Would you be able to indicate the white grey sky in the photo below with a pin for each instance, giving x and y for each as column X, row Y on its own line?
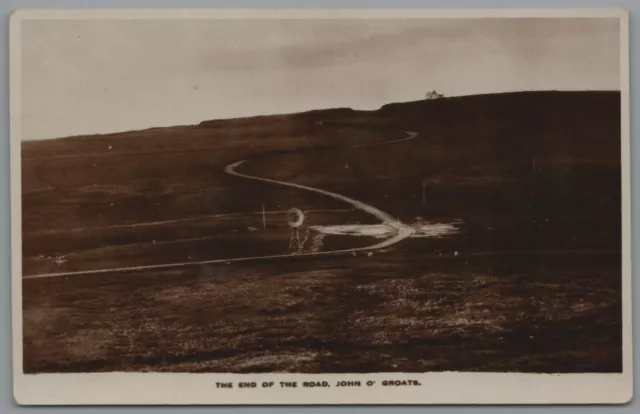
column 100, row 76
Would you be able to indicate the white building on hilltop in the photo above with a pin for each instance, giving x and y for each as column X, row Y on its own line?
column 433, row 95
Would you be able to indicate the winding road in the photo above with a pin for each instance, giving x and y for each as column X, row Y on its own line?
column 402, row 231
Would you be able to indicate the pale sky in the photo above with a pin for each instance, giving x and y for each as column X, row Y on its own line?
column 101, row 76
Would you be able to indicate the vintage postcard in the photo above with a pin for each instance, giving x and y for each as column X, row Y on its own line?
column 355, row 206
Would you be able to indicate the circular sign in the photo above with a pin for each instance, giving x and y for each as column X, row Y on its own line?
column 295, row 217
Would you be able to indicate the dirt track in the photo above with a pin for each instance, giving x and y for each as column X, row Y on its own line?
column 403, row 231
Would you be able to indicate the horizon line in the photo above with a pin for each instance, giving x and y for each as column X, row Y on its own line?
column 260, row 115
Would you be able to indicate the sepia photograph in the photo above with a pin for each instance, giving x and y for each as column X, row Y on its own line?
column 333, row 202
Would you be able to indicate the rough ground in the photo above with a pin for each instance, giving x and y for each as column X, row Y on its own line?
column 531, row 179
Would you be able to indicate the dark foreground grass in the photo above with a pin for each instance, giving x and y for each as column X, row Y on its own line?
column 350, row 315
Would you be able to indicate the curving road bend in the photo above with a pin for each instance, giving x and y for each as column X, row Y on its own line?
column 402, row 231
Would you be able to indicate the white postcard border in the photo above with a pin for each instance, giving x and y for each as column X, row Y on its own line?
column 436, row 388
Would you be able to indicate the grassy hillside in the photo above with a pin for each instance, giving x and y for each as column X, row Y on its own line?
column 531, row 179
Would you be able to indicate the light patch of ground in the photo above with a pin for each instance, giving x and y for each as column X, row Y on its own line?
column 282, row 360
column 405, row 311
column 89, row 344
column 42, row 319
column 434, row 229
column 379, row 231
column 383, row 231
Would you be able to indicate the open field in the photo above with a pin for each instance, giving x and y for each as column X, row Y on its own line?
column 529, row 281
